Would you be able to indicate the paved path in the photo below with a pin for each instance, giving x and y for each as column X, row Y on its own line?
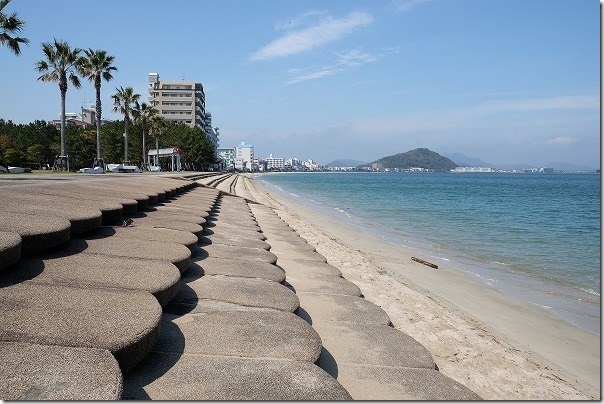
column 170, row 287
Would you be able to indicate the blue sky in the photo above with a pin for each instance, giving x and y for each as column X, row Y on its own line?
column 511, row 81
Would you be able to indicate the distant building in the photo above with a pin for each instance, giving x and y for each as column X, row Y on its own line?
column 244, row 157
column 274, row 163
column 211, row 133
column 310, row 165
column 473, row 170
column 85, row 120
column 227, row 155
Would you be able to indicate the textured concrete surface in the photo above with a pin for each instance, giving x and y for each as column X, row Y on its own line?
column 38, row 232
column 65, row 198
column 160, row 278
column 234, row 239
column 173, row 376
column 243, row 334
column 241, row 253
column 116, row 246
column 124, row 322
column 142, row 232
column 42, row 372
column 232, row 267
column 242, row 291
column 10, row 248
column 82, row 219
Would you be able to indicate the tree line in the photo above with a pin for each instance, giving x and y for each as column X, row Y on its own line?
column 36, row 144
column 40, row 143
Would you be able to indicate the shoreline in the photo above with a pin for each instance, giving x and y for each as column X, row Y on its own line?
column 498, row 346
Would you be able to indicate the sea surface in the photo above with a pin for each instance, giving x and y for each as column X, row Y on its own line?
column 532, row 236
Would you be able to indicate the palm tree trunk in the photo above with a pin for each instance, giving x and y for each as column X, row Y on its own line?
column 126, row 141
column 99, row 147
column 63, row 133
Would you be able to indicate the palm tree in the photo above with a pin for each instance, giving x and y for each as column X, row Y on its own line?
column 10, row 25
column 61, row 64
column 123, row 102
column 143, row 112
column 97, row 65
column 157, row 125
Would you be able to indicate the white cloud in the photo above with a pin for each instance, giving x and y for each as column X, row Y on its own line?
column 328, row 30
column 406, row 5
column 560, row 140
column 326, row 71
column 345, row 59
column 354, row 58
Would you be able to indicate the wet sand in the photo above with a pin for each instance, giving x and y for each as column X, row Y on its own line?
column 500, row 347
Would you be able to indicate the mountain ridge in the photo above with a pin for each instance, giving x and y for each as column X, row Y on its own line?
column 416, row 158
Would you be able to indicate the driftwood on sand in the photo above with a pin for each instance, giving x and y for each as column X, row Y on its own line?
column 421, row 261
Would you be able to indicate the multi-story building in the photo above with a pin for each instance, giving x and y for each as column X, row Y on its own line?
column 178, row 101
column 274, row 163
column 227, row 157
column 211, row 133
column 244, row 157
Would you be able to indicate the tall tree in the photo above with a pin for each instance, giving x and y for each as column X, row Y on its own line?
column 123, row 102
column 97, row 65
column 142, row 113
column 60, row 65
column 9, row 26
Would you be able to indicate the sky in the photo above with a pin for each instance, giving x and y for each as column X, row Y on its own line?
column 509, row 81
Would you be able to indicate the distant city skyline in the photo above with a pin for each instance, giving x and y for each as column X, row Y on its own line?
column 507, row 82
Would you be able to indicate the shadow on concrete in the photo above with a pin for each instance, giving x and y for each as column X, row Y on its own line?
column 303, row 314
column 328, row 363
column 155, row 365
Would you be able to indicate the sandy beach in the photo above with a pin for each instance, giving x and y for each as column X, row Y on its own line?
column 500, row 347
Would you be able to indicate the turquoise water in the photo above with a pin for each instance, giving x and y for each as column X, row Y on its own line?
column 532, row 236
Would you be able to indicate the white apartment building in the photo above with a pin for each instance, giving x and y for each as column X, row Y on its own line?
column 274, row 163
column 244, row 157
column 178, row 101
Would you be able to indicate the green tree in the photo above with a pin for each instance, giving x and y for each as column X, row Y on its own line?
column 197, row 150
column 60, row 65
column 83, row 145
column 123, row 102
column 37, row 154
column 142, row 113
column 11, row 25
column 14, row 157
column 97, row 65
column 113, row 141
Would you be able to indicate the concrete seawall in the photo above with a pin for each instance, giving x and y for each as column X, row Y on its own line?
column 182, row 287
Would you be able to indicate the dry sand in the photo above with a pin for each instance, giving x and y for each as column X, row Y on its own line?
column 500, row 347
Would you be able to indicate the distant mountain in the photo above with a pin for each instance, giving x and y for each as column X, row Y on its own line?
column 346, row 163
column 465, row 161
column 420, row 158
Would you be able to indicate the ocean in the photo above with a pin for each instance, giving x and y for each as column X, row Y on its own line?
column 535, row 237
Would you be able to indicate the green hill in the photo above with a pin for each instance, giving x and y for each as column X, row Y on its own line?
column 417, row 158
